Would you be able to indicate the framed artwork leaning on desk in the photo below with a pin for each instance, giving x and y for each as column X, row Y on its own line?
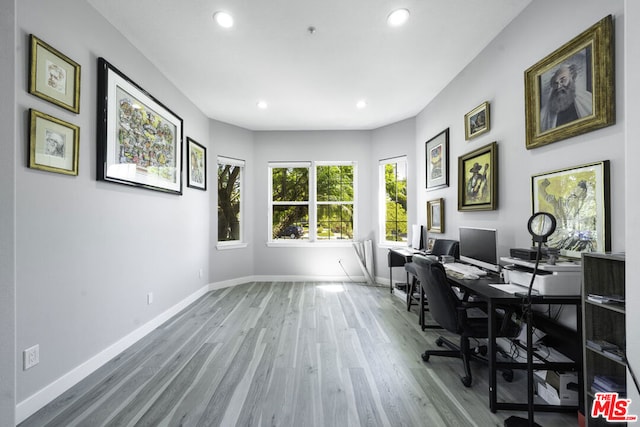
column 579, row 199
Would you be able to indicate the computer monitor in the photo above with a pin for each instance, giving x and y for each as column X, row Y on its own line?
column 479, row 246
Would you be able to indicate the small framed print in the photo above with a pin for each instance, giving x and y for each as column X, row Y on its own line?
column 435, row 216
column 53, row 144
column 477, row 121
column 437, row 153
column 430, row 242
column 53, row 76
column 197, row 165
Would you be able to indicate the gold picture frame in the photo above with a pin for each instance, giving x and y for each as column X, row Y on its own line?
column 53, row 144
column 477, row 121
column 579, row 198
column 571, row 91
column 435, row 216
column 53, row 76
column 478, row 179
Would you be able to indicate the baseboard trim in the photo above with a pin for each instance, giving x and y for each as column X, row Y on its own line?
column 38, row 400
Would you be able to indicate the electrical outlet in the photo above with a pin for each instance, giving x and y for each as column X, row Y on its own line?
column 150, row 298
column 31, row 357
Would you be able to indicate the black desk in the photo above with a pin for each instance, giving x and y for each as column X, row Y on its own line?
column 398, row 257
column 495, row 298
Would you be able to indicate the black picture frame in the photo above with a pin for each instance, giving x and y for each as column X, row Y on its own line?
column 196, row 165
column 139, row 138
column 437, row 161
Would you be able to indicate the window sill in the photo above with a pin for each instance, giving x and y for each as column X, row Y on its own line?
column 390, row 245
column 234, row 245
column 308, row 244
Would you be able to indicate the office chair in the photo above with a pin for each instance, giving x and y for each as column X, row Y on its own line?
column 440, row 247
column 450, row 312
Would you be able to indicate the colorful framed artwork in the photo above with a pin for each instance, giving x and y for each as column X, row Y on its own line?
column 139, row 139
column 53, row 76
column 197, row 165
column 478, row 179
column 571, row 91
column 477, row 121
column 437, row 153
column 53, row 144
column 435, row 215
column 579, row 199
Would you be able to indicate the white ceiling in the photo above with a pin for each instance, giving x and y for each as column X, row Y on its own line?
column 310, row 81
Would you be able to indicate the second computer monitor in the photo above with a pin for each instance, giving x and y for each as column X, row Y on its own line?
column 479, row 247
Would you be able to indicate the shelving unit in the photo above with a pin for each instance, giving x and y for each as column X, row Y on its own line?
column 603, row 275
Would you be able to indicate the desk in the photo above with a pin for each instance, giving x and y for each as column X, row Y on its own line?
column 495, row 298
column 398, row 257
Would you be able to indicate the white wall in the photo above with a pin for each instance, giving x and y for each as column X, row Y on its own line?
column 632, row 85
column 386, row 142
column 235, row 263
column 88, row 252
column 7, row 213
column 497, row 76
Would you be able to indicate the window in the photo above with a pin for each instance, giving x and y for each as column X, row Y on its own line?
column 230, row 175
column 393, row 200
column 312, row 201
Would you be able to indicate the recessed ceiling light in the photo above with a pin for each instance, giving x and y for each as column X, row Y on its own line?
column 398, row 17
column 262, row 105
column 361, row 104
column 224, row 19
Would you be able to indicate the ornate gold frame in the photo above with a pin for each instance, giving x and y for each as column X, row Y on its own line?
column 593, row 49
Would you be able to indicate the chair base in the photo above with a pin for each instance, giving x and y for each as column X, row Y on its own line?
column 465, row 353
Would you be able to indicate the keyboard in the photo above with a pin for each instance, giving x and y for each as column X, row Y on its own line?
column 464, row 270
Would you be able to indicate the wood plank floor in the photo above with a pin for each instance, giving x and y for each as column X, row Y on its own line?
column 286, row 354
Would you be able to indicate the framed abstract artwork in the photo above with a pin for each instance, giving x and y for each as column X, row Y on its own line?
column 53, row 76
column 578, row 197
column 437, row 162
column 197, row 165
column 53, row 144
column 477, row 121
column 435, row 215
column 478, row 179
column 571, row 91
column 139, row 139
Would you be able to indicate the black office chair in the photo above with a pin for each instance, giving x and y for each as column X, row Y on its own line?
column 414, row 293
column 450, row 312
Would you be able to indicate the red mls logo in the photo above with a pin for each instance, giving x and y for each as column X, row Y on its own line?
column 610, row 407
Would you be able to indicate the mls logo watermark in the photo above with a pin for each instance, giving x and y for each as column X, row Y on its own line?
column 611, row 408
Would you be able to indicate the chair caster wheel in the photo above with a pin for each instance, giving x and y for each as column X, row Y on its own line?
column 439, row 342
column 482, row 350
column 466, row 381
column 507, row 375
column 425, row 357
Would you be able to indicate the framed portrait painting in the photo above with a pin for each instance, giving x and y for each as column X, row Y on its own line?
column 197, row 165
column 578, row 197
column 437, row 162
column 53, row 144
column 435, row 216
column 477, row 121
column 139, row 139
column 478, row 179
column 53, row 76
column 571, row 91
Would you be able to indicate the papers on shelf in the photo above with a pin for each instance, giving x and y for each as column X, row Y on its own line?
column 512, row 289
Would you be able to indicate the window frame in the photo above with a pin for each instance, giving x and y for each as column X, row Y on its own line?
column 382, row 201
column 230, row 161
column 312, row 203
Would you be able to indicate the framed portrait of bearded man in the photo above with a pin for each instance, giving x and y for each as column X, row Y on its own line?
column 571, row 91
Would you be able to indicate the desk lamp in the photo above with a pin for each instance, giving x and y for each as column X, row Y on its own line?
column 541, row 225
